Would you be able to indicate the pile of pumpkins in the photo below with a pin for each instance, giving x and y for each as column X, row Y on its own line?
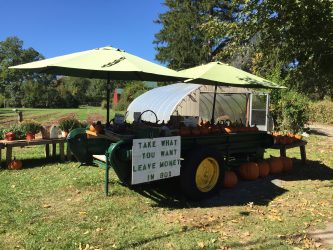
column 254, row 170
column 285, row 139
column 206, row 128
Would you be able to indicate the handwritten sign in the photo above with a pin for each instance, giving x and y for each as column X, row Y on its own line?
column 155, row 158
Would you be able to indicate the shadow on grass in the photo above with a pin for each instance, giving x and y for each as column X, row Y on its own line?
column 314, row 131
column 167, row 193
column 37, row 162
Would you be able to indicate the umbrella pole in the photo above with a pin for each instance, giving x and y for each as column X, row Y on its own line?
column 212, row 121
column 108, row 90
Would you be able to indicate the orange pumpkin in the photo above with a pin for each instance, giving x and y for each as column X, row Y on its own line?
column 195, row 131
column 298, row 137
column 263, row 168
column 287, row 164
column 204, row 130
column 15, row 164
column 275, row 165
column 249, row 171
column 184, row 131
column 230, row 179
column 92, row 128
column 228, row 130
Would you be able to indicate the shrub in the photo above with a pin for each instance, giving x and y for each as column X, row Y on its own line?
column 30, row 126
column 290, row 110
column 322, row 112
column 69, row 124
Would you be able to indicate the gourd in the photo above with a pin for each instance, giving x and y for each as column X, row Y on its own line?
column 249, row 170
column 15, row 164
column 275, row 165
column 263, row 168
column 230, row 179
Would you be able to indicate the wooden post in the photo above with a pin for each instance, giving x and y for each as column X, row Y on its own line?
column 303, row 153
column 283, row 151
column 47, row 150
column 8, row 155
column 54, row 149
column 68, row 154
column 62, row 151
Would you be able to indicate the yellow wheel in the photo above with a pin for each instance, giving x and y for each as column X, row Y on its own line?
column 207, row 174
column 201, row 173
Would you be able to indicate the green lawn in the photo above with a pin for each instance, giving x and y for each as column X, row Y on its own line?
column 44, row 115
column 50, row 205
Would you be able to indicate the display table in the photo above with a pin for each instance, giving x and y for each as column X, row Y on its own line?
column 9, row 145
column 283, row 148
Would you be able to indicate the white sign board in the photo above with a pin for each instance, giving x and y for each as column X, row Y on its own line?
column 155, row 158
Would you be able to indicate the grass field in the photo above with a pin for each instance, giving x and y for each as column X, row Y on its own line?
column 50, row 205
column 7, row 116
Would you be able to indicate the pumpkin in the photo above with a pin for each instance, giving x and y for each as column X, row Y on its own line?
column 184, row 131
column 230, row 179
column 263, row 168
column 15, row 164
column 287, row 164
column 195, row 131
column 275, row 165
column 249, row 171
column 204, row 130
column 228, row 130
column 92, row 128
column 298, row 137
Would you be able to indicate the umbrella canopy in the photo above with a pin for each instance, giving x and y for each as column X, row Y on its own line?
column 103, row 63
column 223, row 74
column 217, row 73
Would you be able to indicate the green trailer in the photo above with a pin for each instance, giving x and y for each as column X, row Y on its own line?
column 149, row 155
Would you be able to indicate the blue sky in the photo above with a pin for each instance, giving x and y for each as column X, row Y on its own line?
column 60, row 27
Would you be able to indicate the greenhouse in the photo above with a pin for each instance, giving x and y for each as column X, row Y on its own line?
column 195, row 100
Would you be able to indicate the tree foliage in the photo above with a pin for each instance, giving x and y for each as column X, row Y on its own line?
column 181, row 43
column 288, row 40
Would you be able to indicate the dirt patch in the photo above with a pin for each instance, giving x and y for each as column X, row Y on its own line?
column 56, row 121
column 93, row 117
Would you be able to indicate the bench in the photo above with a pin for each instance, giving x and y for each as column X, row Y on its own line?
column 9, row 145
column 283, row 148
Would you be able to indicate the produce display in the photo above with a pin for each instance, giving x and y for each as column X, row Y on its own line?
column 284, row 139
column 211, row 155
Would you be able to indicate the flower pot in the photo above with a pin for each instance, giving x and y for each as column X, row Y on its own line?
column 64, row 134
column 30, row 136
column 10, row 136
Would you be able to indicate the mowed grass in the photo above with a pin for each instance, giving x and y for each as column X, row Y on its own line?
column 50, row 205
column 8, row 116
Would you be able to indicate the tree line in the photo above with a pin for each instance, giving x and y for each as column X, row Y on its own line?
column 287, row 41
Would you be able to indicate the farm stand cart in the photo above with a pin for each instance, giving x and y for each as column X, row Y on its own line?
column 200, row 160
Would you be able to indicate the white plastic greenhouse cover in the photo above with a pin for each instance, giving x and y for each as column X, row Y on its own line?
column 162, row 101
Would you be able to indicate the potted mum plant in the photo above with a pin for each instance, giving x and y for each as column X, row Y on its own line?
column 13, row 132
column 30, row 128
column 68, row 124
